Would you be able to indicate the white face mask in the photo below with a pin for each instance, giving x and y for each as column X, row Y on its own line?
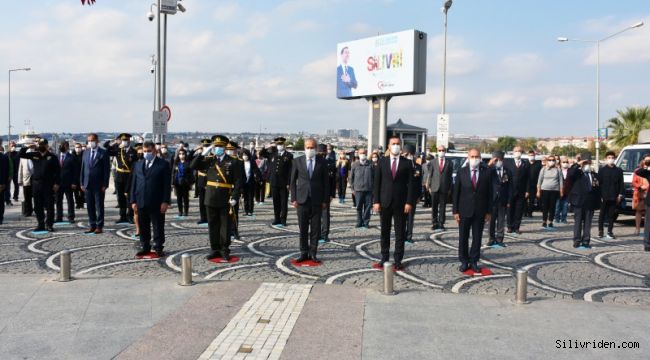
column 310, row 153
column 531, row 158
column 181, row 156
column 473, row 163
column 517, row 155
column 229, row 152
column 245, row 157
column 565, row 165
column 280, row 148
column 499, row 164
column 395, row 149
column 163, row 151
column 441, row 154
column 125, row 143
column 92, row 144
column 586, row 168
column 77, row 150
column 550, row 163
column 610, row 161
column 410, row 157
column 363, row 157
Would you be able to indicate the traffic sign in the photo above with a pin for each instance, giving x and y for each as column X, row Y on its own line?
column 603, row 134
column 442, row 130
column 160, row 119
column 168, row 112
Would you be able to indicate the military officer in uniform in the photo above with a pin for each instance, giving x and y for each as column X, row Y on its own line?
column 125, row 156
column 45, row 182
column 223, row 183
column 232, row 150
column 279, row 177
column 201, row 181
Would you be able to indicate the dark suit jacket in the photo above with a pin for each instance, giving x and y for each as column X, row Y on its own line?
column 256, row 174
column 394, row 192
column 469, row 202
column 151, row 187
column 582, row 194
column 279, row 167
column 520, row 177
column 501, row 186
column 535, row 169
column 95, row 174
column 69, row 171
column 303, row 188
column 4, row 170
column 440, row 181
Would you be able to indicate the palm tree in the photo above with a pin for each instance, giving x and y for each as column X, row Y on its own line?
column 627, row 125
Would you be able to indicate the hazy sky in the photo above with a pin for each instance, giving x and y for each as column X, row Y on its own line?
column 238, row 65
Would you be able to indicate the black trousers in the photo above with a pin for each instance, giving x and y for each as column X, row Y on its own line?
column 342, row 185
column 203, row 215
column 79, row 197
column 28, row 201
column 234, row 220
column 69, row 196
column 547, row 202
column 280, row 200
column 516, row 212
column 121, row 183
column 438, row 209
column 532, row 202
column 309, row 224
column 475, row 224
column 15, row 181
column 249, row 197
column 260, row 192
column 607, row 214
column 410, row 219
column 218, row 229
column 150, row 217
column 646, row 231
column 325, row 223
column 389, row 216
column 43, row 201
column 426, row 197
column 182, row 198
column 582, row 226
column 2, row 206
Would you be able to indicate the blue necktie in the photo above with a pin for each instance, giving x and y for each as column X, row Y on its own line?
column 310, row 168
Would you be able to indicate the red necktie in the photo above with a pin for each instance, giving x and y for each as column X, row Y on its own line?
column 441, row 164
column 474, row 179
column 393, row 168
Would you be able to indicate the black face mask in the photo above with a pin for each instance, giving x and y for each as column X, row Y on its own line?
column 42, row 148
column 63, row 149
column 647, row 163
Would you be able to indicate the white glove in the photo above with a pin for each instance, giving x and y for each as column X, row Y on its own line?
column 207, row 150
column 233, row 202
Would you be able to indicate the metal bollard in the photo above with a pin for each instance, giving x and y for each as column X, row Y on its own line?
column 186, row 270
column 388, row 278
column 522, row 287
column 64, row 269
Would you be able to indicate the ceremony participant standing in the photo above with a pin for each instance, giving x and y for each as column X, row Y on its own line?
column 472, row 206
column 640, row 186
column 4, row 180
column 95, row 174
column 409, row 153
column 562, row 205
column 45, row 183
column 342, row 172
column 585, row 198
column 150, row 195
column 252, row 179
column 361, row 183
column 644, row 172
column 69, row 182
column 224, row 178
column 279, row 177
column 232, row 150
column 125, row 157
column 501, row 183
column 393, row 197
column 439, row 185
column 550, row 187
column 183, row 179
column 331, row 176
column 520, row 190
column 201, row 180
column 263, row 166
column 25, row 171
column 535, row 168
column 79, row 197
column 14, row 158
column 612, row 191
column 309, row 195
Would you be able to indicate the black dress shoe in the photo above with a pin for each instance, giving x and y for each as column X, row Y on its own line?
column 227, row 257
column 143, row 252
column 646, row 249
column 576, row 244
column 475, row 267
column 90, row 231
column 491, row 242
column 463, row 267
column 302, row 258
column 50, row 228
column 442, row 228
column 39, row 228
column 399, row 267
column 213, row 255
column 58, row 220
column 160, row 253
column 314, row 259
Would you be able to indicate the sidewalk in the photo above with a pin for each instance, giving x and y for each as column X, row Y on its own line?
column 105, row 318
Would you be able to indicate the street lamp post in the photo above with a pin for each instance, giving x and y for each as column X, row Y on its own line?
column 445, row 10
column 597, row 42
column 9, row 100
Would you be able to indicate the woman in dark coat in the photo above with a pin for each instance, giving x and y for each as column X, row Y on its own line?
column 183, row 178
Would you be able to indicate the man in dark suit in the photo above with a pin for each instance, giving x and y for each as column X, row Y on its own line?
column 345, row 78
column 331, row 175
column 472, row 206
column 79, row 196
column 520, row 171
column 95, row 174
column 69, row 182
column 439, row 184
column 393, row 196
column 535, row 167
column 150, row 195
column 585, row 198
column 279, row 178
column 14, row 158
column 310, row 195
column 612, row 193
column 501, row 182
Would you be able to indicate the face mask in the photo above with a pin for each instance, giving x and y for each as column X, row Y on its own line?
column 363, row 157
column 499, row 164
column 441, row 154
column 163, row 151
column 149, row 156
column 229, row 152
column 245, row 157
column 77, row 150
column 531, row 158
column 647, row 163
column 125, row 143
column 473, row 163
column 157, row 147
column 218, row 151
column 13, row 148
column 517, row 155
column 565, row 165
column 181, row 156
column 280, row 148
column 63, row 149
column 610, row 161
column 410, row 157
column 92, row 144
column 586, row 168
column 550, row 163
column 395, row 149
column 310, row 153
column 374, row 159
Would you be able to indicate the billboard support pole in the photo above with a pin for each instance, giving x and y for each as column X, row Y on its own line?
column 383, row 111
column 371, row 138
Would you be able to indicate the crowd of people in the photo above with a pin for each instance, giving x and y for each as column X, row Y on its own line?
column 227, row 177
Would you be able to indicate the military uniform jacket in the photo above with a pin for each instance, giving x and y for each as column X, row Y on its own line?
column 279, row 167
column 125, row 158
column 201, row 178
column 223, row 180
column 46, row 171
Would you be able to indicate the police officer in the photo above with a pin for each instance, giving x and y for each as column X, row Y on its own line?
column 45, row 182
column 279, row 177
column 232, row 150
column 125, row 157
column 223, row 184
column 201, row 181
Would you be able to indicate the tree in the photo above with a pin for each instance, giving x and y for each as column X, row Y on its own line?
column 527, row 144
column 300, row 144
column 506, row 143
column 627, row 125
